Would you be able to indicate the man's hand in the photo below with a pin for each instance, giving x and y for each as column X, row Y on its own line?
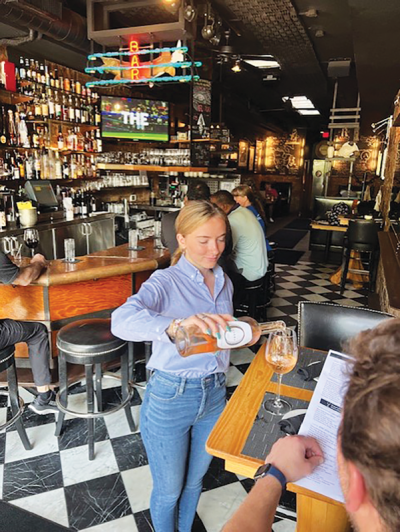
column 295, row 456
column 40, row 259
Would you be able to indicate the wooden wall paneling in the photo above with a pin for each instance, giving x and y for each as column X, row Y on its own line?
column 22, row 302
column 67, row 301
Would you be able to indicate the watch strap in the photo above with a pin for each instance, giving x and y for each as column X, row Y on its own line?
column 269, row 469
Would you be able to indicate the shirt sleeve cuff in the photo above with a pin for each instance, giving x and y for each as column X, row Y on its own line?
column 163, row 322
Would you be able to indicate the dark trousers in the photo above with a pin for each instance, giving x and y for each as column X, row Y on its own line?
column 36, row 336
column 239, row 293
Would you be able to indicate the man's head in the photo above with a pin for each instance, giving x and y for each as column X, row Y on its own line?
column 224, row 200
column 198, row 191
column 369, row 442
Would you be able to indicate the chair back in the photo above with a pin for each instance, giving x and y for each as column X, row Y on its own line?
column 327, row 326
column 363, row 232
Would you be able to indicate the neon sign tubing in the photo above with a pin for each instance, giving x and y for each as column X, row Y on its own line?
column 101, row 69
column 183, row 49
column 104, row 82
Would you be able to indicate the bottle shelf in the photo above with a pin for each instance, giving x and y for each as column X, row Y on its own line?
column 61, row 152
column 151, row 168
column 12, row 98
column 27, row 82
column 60, row 122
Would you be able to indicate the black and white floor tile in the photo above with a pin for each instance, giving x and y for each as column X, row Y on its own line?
column 57, row 481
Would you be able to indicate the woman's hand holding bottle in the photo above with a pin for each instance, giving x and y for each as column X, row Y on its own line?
column 209, row 324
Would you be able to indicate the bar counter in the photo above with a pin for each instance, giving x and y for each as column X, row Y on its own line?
column 90, row 288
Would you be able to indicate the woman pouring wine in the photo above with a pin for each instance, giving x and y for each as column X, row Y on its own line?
column 184, row 396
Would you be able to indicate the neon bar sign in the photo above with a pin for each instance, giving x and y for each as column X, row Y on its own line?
column 136, row 71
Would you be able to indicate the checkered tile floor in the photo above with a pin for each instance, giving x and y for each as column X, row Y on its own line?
column 57, row 481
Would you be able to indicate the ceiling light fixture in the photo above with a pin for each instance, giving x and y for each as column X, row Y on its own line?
column 263, row 63
column 172, row 5
column 310, row 13
column 189, row 12
column 208, row 31
column 308, row 112
column 236, row 67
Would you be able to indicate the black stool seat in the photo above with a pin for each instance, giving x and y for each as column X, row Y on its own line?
column 83, row 338
column 90, row 343
column 7, row 362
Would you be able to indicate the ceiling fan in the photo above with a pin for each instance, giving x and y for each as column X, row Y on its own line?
column 227, row 54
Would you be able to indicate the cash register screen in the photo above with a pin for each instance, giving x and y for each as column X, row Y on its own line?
column 42, row 192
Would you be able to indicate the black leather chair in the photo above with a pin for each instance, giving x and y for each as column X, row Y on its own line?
column 327, row 326
column 7, row 363
column 255, row 299
column 90, row 343
column 362, row 236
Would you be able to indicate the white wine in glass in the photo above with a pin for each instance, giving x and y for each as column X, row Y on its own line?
column 281, row 354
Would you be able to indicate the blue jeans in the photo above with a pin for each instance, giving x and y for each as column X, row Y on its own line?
column 177, row 417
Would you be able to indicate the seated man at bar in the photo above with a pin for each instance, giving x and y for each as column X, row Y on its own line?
column 249, row 251
column 35, row 335
column 196, row 191
column 368, row 444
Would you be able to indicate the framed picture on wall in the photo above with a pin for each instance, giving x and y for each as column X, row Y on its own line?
column 243, row 154
column 252, row 153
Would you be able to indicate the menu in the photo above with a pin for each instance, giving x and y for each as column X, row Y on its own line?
column 322, row 422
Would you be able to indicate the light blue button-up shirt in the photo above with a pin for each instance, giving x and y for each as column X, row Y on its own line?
column 176, row 292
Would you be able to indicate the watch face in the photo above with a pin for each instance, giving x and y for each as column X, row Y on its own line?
column 262, row 470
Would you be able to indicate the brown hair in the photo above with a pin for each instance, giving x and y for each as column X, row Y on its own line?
column 370, row 431
column 246, row 192
column 192, row 216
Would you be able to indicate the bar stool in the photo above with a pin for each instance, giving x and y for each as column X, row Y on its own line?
column 7, row 362
column 90, row 343
column 256, row 300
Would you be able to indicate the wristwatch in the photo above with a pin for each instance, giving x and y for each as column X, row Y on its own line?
column 269, row 469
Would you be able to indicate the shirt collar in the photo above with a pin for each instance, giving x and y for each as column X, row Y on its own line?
column 237, row 206
column 194, row 273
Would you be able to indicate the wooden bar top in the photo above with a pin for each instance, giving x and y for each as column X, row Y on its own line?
column 114, row 261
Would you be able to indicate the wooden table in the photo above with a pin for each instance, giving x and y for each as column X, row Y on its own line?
column 329, row 230
column 315, row 513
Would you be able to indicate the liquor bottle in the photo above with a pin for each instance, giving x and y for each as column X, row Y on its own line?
column 3, row 220
column 56, row 79
column 45, row 107
column 13, row 139
column 80, row 143
column 32, row 70
column 65, row 109
column 29, row 166
column 21, row 165
column 58, row 174
column 60, row 139
column 58, row 106
column 243, row 332
column 52, row 105
column 78, row 87
column 78, row 111
column 22, row 71
column 28, row 69
column 71, row 109
column 67, row 84
column 4, row 132
column 84, row 205
column 14, row 168
column 47, row 75
column 65, row 169
column 36, row 165
column 42, row 74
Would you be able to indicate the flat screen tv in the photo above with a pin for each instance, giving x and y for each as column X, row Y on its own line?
column 134, row 119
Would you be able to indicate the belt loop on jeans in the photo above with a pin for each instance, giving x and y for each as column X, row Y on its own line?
column 182, row 385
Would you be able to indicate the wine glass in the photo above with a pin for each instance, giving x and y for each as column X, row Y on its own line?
column 31, row 239
column 281, row 354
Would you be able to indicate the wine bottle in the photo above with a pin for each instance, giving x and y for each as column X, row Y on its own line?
column 244, row 332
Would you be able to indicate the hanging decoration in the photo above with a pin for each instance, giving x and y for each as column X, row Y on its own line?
column 135, row 71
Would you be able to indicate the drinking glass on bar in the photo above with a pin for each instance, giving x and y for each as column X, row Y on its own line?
column 157, row 235
column 281, row 354
column 69, row 249
column 133, row 237
column 31, row 239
